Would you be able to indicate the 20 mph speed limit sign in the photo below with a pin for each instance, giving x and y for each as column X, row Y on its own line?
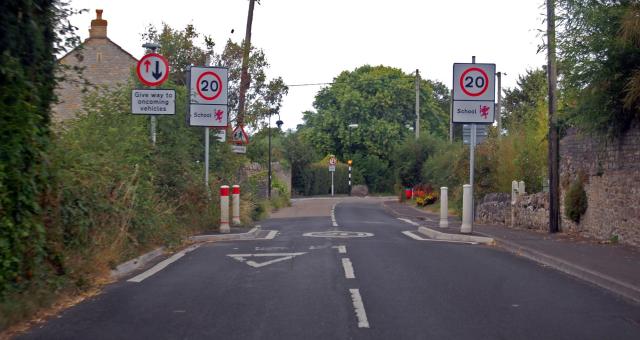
column 473, row 93
column 208, row 96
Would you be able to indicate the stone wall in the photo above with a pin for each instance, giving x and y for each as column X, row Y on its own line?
column 610, row 172
column 494, row 208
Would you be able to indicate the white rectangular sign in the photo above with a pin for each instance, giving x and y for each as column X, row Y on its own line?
column 479, row 112
column 220, row 135
column 239, row 148
column 153, row 102
column 208, row 85
column 208, row 115
column 332, row 168
column 474, row 82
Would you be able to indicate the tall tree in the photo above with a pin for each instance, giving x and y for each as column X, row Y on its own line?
column 599, row 54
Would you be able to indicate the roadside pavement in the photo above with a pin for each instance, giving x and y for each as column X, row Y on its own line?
column 614, row 267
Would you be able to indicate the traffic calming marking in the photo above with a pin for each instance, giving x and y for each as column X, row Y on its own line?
column 420, row 238
column 279, row 257
column 338, row 234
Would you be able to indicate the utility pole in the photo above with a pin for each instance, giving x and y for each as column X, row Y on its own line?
column 499, row 105
column 244, row 76
column 417, row 104
column 554, row 147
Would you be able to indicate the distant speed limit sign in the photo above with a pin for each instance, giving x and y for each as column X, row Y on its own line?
column 474, row 82
column 209, row 85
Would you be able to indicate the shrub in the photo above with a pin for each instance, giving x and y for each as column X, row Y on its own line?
column 575, row 201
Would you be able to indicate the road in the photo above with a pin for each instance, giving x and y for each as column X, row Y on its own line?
column 379, row 285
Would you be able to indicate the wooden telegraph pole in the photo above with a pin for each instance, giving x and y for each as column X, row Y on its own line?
column 244, row 76
column 554, row 147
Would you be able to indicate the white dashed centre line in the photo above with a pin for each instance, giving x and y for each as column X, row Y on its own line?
column 348, row 268
column 341, row 249
column 359, row 307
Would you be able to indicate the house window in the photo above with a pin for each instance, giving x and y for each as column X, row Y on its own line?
column 99, row 56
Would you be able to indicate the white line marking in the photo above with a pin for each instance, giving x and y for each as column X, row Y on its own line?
column 162, row 265
column 359, row 307
column 334, row 223
column 341, row 249
column 417, row 237
column 348, row 269
column 406, row 220
column 280, row 257
column 271, row 235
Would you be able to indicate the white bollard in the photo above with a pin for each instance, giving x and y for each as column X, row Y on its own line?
column 521, row 190
column 444, row 207
column 467, row 210
column 224, row 209
column 235, row 205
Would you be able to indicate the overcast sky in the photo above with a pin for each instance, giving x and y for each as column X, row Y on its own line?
column 312, row 41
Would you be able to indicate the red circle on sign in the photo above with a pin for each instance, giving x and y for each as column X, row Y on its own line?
column 217, row 93
column 165, row 69
column 484, row 88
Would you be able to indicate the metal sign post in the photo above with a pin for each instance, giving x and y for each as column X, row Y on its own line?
column 473, row 103
column 332, row 168
column 208, row 103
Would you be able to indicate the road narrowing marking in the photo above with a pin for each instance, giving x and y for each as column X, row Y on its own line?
column 341, row 249
column 361, row 314
column 419, row 238
column 348, row 268
column 406, row 220
column 279, row 258
column 162, row 265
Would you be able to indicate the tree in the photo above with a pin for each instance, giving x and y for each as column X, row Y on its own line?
column 381, row 100
column 32, row 33
column 599, row 54
column 523, row 103
column 182, row 49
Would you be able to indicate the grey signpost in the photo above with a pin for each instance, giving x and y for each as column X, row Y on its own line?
column 473, row 101
column 332, row 168
column 208, row 108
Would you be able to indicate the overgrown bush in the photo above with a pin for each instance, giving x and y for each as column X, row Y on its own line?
column 575, row 201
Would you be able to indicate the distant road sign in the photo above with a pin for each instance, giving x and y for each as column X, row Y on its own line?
column 220, row 134
column 333, row 161
column 239, row 136
column 473, row 93
column 153, row 69
column 482, row 132
column 153, row 102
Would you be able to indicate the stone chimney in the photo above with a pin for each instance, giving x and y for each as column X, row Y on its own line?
column 98, row 26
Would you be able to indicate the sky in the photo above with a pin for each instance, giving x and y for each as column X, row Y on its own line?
column 312, row 41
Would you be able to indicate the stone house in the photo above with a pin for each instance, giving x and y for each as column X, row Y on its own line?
column 104, row 63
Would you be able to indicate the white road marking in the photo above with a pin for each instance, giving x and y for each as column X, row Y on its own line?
column 406, row 220
column 279, row 258
column 348, row 268
column 320, row 247
column 359, row 307
column 417, row 237
column 268, row 248
column 271, row 235
column 341, row 249
column 334, row 223
column 162, row 265
column 338, row 234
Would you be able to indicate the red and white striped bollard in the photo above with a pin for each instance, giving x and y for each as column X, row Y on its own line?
column 235, row 205
column 224, row 209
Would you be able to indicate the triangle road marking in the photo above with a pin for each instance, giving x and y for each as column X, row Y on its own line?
column 279, row 257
